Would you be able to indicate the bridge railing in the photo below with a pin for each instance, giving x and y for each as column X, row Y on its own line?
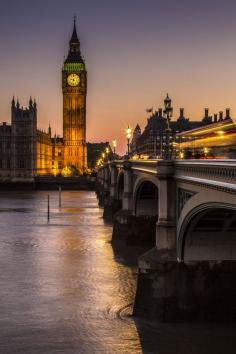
column 220, row 172
column 211, row 170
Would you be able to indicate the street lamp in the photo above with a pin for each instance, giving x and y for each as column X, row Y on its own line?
column 107, row 150
column 128, row 136
column 114, row 144
column 168, row 112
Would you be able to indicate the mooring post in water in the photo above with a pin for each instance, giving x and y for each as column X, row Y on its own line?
column 60, row 197
column 48, row 207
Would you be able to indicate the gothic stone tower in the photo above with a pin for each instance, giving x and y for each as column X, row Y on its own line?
column 74, row 87
column 24, row 139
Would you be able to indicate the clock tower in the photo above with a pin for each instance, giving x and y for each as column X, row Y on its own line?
column 74, row 88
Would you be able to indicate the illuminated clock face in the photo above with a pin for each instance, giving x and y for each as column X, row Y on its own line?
column 73, row 80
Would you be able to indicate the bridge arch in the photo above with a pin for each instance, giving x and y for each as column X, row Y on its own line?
column 146, row 198
column 208, row 232
column 145, row 212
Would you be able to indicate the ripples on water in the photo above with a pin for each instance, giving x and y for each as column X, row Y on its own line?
column 64, row 290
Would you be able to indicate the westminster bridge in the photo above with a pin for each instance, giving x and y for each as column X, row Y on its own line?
column 184, row 213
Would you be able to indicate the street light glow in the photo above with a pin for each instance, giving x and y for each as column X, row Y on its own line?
column 128, row 136
column 128, row 132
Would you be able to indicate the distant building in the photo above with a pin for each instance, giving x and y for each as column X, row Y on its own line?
column 152, row 140
column 25, row 151
column 136, row 135
column 95, row 151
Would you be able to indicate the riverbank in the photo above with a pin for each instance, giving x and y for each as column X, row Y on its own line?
column 82, row 183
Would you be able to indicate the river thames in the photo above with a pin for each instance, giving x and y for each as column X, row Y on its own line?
column 64, row 289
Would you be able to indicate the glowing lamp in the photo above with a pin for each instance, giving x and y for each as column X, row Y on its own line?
column 128, row 136
column 114, row 144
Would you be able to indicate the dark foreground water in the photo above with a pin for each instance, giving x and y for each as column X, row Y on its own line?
column 63, row 289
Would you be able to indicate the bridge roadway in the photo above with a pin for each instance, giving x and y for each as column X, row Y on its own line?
column 185, row 212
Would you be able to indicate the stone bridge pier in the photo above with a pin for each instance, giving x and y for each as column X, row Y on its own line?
column 184, row 214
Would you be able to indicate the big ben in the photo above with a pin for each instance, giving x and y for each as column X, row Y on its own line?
column 74, row 87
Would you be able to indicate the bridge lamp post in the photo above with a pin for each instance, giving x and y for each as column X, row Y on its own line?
column 114, row 144
column 107, row 151
column 128, row 137
column 168, row 112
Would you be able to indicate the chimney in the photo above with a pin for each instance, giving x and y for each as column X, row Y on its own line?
column 227, row 116
column 215, row 118
column 221, row 115
column 206, row 112
column 181, row 113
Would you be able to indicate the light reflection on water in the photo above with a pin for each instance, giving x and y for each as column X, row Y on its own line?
column 64, row 290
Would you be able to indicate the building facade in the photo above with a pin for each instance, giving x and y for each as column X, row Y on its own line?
column 161, row 131
column 26, row 151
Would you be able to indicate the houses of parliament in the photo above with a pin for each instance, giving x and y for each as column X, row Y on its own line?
column 26, row 151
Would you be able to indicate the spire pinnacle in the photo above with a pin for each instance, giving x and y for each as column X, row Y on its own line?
column 74, row 38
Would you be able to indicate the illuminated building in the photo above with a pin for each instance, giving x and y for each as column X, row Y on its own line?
column 74, row 87
column 26, row 151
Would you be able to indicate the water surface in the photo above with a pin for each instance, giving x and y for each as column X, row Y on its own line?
column 63, row 289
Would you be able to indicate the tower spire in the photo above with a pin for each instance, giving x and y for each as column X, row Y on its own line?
column 74, row 38
column 74, row 55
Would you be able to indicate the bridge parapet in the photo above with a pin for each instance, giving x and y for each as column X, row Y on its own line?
column 220, row 174
column 146, row 166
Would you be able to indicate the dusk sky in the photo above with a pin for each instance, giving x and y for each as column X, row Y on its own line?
column 135, row 50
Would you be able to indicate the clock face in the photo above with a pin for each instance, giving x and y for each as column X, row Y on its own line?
column 73, row 80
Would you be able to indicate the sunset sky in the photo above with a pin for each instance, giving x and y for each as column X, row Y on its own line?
column 135, row 50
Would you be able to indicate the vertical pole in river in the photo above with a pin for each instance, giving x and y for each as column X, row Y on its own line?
column 48, row 207
column 60, row 197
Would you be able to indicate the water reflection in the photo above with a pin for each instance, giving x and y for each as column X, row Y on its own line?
column 63, row 289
